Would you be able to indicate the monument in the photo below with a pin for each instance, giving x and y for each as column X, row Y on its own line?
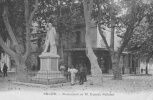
column 49, row 59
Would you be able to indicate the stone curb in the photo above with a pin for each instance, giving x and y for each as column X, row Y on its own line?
column 125, row 75
column 41, row 85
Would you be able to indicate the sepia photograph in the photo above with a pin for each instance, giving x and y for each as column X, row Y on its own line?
column 76, row 49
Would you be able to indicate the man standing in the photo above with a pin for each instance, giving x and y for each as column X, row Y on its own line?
column 86, row 72
column 69, row 74
column 77, row 74
column 82, row 74
column 5, row 70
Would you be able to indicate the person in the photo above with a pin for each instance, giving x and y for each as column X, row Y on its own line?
column 86, row 72
column 77, row 74
column 73, row 72
column 69, row 74
column 5, row 70
column 33, row 66
column 82, row 74
column 123, row 70
column 1, row 72
column 62, row 69
column 66, row 74
column 50, row 39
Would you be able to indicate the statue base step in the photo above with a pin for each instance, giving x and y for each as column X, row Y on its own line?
column 50, row 76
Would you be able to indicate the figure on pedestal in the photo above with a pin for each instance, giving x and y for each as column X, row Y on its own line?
column 49, row 59
column 50, row 39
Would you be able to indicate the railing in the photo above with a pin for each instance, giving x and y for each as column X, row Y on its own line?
column 43, row 77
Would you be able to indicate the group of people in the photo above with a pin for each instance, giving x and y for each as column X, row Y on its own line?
column 4, row 69
column 78, row 72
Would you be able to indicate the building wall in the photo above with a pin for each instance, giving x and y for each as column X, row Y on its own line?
column 97, row 42
column 107, row 33
column 150, row 66
column 143, row 67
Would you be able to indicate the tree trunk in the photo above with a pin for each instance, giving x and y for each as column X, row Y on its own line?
column 21, row 69
column 112, row 38
column 95, row 69
column 110, row 63
column 117, row 75
column 96, row 73
column 115, row 60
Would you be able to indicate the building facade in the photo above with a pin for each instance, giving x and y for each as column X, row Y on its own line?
column 75, row 51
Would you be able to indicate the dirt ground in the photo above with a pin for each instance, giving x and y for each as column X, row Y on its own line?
column 129, row 88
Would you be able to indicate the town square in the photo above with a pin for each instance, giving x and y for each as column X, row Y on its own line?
column 76, row 49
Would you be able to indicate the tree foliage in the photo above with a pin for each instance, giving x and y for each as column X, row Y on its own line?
column 141, row 42
column 65, row 15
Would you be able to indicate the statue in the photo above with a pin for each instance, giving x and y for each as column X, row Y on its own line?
column 50, row 39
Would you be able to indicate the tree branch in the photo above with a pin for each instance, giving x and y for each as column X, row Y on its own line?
column 28, row 45
column 26, row 10
column 8, row 26
column 99, row 27
column 103, row 37
column 128, row 34
column 91, row 6
column 129, row 31
column 32, row 14
column 7, row 49
column 85, row 11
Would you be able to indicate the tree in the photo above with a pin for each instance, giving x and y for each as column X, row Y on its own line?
column 134, row 14
column 141, row 41
column 64, row 15
column 16, row 53
column 88, row 7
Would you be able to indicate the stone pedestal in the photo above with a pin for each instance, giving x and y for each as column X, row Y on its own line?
column 49, row 62
column 49, row 68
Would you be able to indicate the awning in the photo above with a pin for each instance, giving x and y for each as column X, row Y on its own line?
column 83, row 49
